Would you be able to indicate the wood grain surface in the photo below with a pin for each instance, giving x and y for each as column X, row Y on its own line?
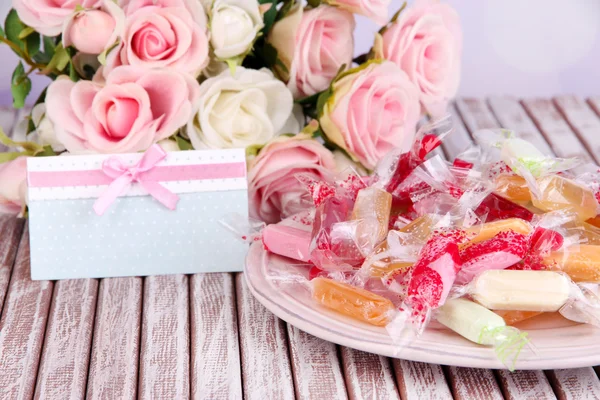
column 266, row 367
column 316, row 366
column 165, row 339
column 368, row 376
column 418, row 380
column 65, row 357
column 11, row 230
column 115, row 349
column 22, row 328
column 215, row 359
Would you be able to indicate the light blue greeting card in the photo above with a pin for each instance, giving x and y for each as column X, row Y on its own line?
column 135, row 214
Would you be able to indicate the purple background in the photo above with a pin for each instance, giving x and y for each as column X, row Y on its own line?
column 523, row 48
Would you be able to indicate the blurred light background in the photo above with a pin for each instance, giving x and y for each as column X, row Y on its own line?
column 523, row 48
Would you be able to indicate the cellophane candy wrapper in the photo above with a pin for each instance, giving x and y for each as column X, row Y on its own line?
column 477, row 244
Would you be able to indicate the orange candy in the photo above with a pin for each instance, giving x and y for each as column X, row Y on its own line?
column 513, row 317
column 354, row 302
column 559, row 193
column 513, row 187
column 489, row 230
column 581, row 263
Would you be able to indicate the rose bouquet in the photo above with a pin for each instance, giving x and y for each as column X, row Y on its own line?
column 275, row 77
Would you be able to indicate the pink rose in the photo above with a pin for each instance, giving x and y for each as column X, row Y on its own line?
column 313, row 45
column 377, row 10
column 274, row 191
column 373, row 109
column 13, row 186
column 133, row 109
column 426, row 42
column 93, row 31
column 159, row 36
column 48, row 17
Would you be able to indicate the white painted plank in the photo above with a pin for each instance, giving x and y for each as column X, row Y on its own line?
column 511, row 115
column 555, row 129
column 115, row 351
column 583, row 120
column 417, row 380
column 266, row 368
column 476, row 114
column 472, row 383
column 11, row 230
column 65, row 357
column 165, row 343
column 22, row 328
column 575, row 384
column 216, row 372
column 316, row 367
column 460, row 139
column 520, row 385
column 368, row 376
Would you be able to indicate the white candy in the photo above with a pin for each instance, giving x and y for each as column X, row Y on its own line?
column 544, row 291
column 469, row 320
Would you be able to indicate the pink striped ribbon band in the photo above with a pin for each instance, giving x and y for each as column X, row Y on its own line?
column 167, row 173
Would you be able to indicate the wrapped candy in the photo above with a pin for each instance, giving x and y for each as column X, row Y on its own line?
column 432, row 276
column 393, row 172
column 581, row 262
column 499, row 252
column 512, row 317
column 287, row 241
column 482, row 326
column 535, row 291
column 373, row 204
column 559, row 193
column 352, row 301
column 512, row 187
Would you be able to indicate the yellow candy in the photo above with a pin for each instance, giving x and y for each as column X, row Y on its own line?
column 513, row 187
column 581, row 263
column 352, row 301
column 559, row 193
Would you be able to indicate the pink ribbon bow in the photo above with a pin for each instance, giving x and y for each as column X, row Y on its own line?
column 124, row 176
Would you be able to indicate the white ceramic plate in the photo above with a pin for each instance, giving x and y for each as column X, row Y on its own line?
column 558, row 343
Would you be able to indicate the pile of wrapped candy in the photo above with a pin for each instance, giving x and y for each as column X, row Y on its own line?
column 501, row 234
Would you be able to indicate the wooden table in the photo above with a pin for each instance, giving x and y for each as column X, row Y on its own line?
column 206, row 337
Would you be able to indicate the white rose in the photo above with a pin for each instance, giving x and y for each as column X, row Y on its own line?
column 235, row 111
column 234, row 25
column 168, row 145
column 44, row 130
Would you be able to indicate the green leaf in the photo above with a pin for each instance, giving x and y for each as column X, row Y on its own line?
column 309, row 100
column 104, row 54
column 20, row 86
column 285, row 9
column 33, row 44
column 314, row 3
column 269, row 17
column 6, row 157
column 183, row 144
column 2, row 34
column 49, row 46
column 13, row 27
column 59, row 61
column 46, row 152
column 30, row 148
column 73, row 73
column 26, row 32
column 269, row 55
